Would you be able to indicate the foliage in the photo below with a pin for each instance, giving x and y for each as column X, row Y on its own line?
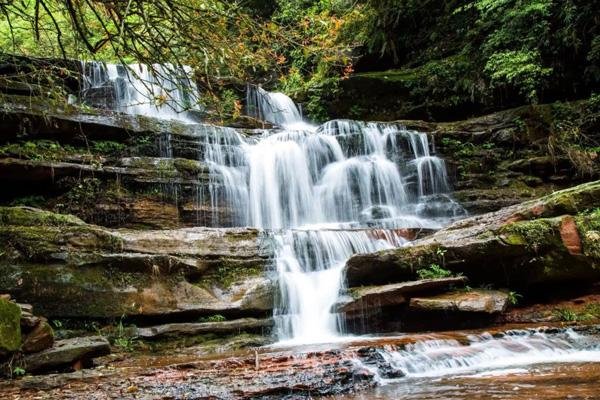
column 520, row 69
column 433, row 272
column 447, row 54
column 123, row 338
column 590, row 312
column 513, row 50
column 566, row 315
column 107, row 147
column 514, row 298
column 212, row 318
column 38, row 150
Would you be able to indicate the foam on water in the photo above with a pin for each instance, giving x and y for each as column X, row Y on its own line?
column 161, row 91
column 484, row 353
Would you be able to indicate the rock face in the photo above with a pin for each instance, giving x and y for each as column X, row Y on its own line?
column 474, row 301
column 67, row 352
column 10, row 327
column 518, row 246
column 110, row 169
column 67, row 268
column 199, row 328
column 366, row 298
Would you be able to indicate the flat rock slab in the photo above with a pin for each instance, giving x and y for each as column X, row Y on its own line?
column 199, row 328
column 477, row 301
column 67, row 352
column 365, row 298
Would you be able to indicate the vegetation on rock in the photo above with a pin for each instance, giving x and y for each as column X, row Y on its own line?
column 10, row 328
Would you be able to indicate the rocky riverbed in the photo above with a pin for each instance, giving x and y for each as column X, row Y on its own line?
column 426, row 364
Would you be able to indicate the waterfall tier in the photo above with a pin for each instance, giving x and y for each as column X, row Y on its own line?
column 162, row 91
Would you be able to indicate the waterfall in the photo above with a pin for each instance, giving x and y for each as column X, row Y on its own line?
column 484, row 352
column 324, row 193
column 320, row 193
column 162, row 91
column 274, row 107
column 309, row 266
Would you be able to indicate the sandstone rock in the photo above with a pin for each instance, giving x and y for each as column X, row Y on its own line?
column 199, row 328
column 365, row 298
column 67, row 268
column 67, row 352
column 570, row 236
column 10, row 327
column 516, row 246
column 40, row 338
column 478, row 301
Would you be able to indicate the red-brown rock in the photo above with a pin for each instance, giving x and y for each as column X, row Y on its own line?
column 570, row 235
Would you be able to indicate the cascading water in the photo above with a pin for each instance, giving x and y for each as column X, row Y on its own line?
column 321, row 193
column 324, row 193
column 484, row 352
column 162, row 91
column 273, row 107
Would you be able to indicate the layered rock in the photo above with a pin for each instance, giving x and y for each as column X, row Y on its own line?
column 109, row 168
column 68, row 352
column 473, row 301
column 198, row 328
column 67, row 268
column 367, row 298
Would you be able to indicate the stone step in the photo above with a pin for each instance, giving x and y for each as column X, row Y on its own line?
column 474, row 301
column 67, row 352
column 365, row 298
column 198, row 328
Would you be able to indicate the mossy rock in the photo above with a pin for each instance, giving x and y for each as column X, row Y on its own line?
column 10, row 327
column 29, row 216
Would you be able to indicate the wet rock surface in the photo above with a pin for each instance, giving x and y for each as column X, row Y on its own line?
column 473, row 301
column 277, row 373
column 364, row 298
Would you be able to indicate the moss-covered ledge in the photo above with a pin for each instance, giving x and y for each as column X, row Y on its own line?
column 548, row 240
column 67, row 268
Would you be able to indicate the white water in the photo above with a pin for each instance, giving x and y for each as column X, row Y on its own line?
column 162, row 91
column 484, row 353
column 325, row 193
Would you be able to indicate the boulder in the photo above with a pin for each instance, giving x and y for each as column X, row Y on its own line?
column 10, row 327
column 190, row 329
column 474, row 301
column 40, row 338
column 66, row 353
column 517, row 246
column 366, row 298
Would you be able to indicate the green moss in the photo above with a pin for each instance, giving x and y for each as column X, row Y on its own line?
column 588, row 225
column 187, row 166
column 10, row 326
column 25, row 216
column 230, row 271
column 37, row 150
column 534, row 234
